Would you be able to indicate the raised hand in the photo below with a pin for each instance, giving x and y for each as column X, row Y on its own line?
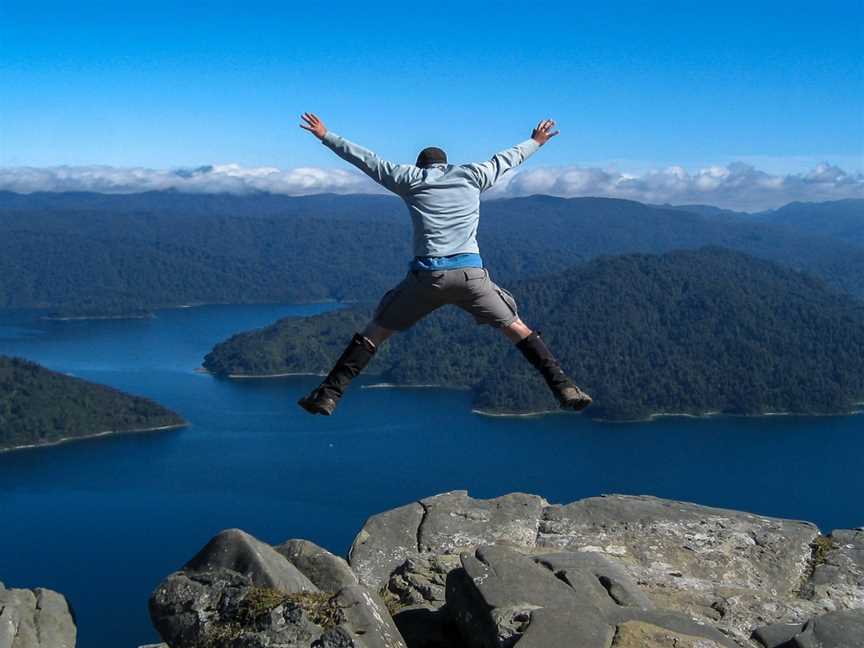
column 314, row 125
column 543, row 133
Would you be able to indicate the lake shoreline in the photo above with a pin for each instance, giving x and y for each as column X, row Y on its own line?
column 152, row 313
column 650, row 418
column 532, row 414
column 88, row 318
column 95, row 435
column 287, row 374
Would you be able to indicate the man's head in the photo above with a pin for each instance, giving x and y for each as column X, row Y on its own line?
column 430, row 156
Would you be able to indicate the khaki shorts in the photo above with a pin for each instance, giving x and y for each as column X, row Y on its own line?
column 422, row 291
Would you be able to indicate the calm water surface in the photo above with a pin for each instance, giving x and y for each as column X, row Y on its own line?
column 103, row 521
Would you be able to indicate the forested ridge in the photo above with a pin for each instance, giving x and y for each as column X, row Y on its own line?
column 39, row 406
column 684, row 332
column 96, row 254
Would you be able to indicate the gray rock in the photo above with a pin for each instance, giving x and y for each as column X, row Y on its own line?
column 384, row 542
column 838, row 580
column 777, row 634
column 637, row 634
column 671, row 621
column 327, row 572
column 188, row 606
column 728, row 568
column 37, row 618
column 662, row 538
column 502, row 597
column 612, row 571
column 594, row 576
column 242, row 553
column 731, row 569
column 240, row 593
column 443, row 524
column 833, row 630
column 367, row 621
column 421, row 580
column 454, row 522
column 424, row 627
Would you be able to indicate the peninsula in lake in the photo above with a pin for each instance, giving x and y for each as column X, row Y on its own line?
column 691, row 332
column 41, row 407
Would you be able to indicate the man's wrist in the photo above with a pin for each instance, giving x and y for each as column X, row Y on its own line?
column 532, row 144
column 329, row 137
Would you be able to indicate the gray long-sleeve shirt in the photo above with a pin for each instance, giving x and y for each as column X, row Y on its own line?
column 443, row 200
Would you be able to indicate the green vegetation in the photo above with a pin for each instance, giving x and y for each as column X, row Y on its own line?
column 685, row 332
column 320, row 607
column 821, row 547
column 91, row 254
column 254, row 608
column 38, row 407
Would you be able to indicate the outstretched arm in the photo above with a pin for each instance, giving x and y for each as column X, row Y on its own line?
column 395, row 177
column 488, row 173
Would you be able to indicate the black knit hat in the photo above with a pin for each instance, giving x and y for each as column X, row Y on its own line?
column 430, row 156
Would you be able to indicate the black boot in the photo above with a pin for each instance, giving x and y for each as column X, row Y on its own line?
column 353, row 360
column 539, row 355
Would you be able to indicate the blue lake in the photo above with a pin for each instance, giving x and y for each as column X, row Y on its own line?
column 103, row 521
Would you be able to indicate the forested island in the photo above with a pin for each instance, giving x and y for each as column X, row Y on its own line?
column 81, row 254
column 42, row 407
column 688, row 332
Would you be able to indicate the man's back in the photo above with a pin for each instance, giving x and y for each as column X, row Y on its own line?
column 443, row 199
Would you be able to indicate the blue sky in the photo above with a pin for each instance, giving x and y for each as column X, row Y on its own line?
column 634, row 85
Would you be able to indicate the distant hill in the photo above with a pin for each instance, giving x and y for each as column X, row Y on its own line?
column 40, row 407
column 685, row 332
column 839, row 219
column 95, row 254
column 842, row 220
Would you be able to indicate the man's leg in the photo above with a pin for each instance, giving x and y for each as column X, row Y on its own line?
column 324, row 398
column 475, row 292
column 398, row 310
column 538, row 354
column 376, row 333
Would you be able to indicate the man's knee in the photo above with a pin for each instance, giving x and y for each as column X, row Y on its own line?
column 516, row 331
column 376, row 333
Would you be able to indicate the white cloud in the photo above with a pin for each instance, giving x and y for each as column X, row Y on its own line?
column 734, row 186
column 225, row 178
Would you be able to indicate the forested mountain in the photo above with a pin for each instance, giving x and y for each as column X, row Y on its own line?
column 39, row 406
column 840, row 219
column 689, row 332
column 80, row 254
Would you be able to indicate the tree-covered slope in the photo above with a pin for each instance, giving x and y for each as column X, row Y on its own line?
column 39, row 406
column 91, row 254
column 685, row 332
column 839, row 219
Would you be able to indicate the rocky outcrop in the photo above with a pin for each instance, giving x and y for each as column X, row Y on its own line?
column 37, row 618
column 725, row 571
column 835, row 629
column 326, row 571
column 240, row 592
column 457, row 572
column 837, row 582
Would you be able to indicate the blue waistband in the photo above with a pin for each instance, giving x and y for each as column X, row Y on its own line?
column 452, row 262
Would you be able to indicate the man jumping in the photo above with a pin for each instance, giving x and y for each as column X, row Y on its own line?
column 444, row 202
